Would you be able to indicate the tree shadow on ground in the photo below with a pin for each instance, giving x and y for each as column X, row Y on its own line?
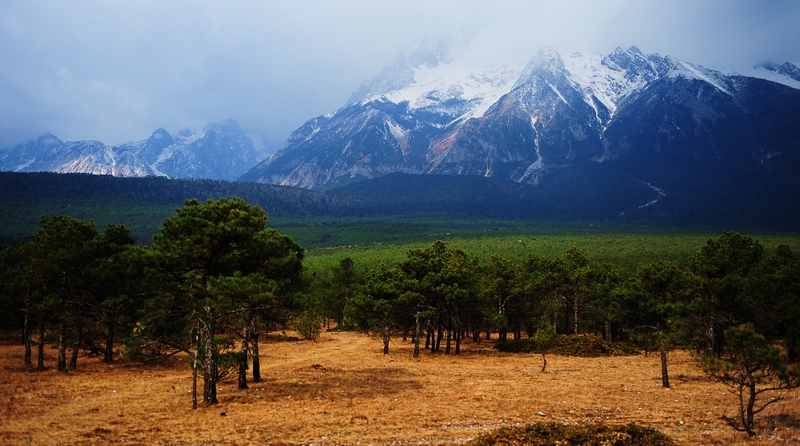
column 317, row 382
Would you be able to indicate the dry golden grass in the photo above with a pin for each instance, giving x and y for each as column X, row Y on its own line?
column 342, row 390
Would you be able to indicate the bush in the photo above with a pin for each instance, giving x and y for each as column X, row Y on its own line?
column 587, row 434
column 568, row 345
column 309, row 324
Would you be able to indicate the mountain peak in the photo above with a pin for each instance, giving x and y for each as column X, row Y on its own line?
column 427, row 113
column 229, row 123
column 220, row 151
column 48, row 139
column 160, row 134
column 547, row 63
column 400, row 73
column 787, row 69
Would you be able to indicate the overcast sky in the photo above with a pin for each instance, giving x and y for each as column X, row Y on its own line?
column 115, row 70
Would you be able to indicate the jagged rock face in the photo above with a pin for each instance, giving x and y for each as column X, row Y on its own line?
column 429, row 115
column 219, row 151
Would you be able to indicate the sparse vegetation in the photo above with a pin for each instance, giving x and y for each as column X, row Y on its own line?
column 587, row 346
column 342, row 390
column 309, row 324
column 595, row 434
column 216, row 272
column 755, row 371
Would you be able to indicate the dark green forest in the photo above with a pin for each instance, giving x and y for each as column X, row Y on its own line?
column 141, row 204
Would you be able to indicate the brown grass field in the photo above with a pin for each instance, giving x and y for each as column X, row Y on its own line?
column 342, row 390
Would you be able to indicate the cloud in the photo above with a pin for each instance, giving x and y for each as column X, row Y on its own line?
column 117, row 70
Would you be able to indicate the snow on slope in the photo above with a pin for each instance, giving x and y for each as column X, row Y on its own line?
column 691, row 71
column 771, row 75
column 434, row 87
column 595, row 74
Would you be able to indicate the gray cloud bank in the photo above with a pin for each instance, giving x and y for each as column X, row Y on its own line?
column 117, row 70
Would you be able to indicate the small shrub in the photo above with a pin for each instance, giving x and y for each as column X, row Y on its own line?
column 537, row 434
column 567, row 345
column 309, row 324
column 343, row 328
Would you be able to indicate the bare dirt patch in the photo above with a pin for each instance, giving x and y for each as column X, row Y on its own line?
column 342, row 390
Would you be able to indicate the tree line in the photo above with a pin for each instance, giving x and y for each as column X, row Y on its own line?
column 216, row 278
column 728, row 302
column 214, row 275
column 727, row 282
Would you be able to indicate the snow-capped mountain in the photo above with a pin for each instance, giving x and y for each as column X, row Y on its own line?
column 787, row 73
column 657, row 115
column 218, row 151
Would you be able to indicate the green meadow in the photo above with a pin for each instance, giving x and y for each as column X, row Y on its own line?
column 372, row 241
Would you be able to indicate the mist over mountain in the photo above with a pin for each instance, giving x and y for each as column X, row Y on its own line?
column 219, row 151
column 626, row 135
column 788, row 70
column 676, row 138
column 427, row 114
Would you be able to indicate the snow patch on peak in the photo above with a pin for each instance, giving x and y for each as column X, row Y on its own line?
column 787, row 74
column 49, row 140
column 547, row 62
column 400, row 73
column 690, row 71
column 609, row 79
column 434, row 86
column 188, row 136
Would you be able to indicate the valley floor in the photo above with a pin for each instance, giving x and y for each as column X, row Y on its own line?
column 342, row 390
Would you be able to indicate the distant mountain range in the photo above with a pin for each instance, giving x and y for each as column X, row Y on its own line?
column 626, row 135
column 219, row 151
column 428, row 114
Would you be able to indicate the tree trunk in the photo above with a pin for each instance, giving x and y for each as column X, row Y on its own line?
column 544, row 362
column 256, row 359
column 607, row 329
column 575, row 315
column 40, row 353
column 243, row 359
column 210, row 363
column 428, row 335
column 62, row 347
column 448, row 338
column 439, row 334
column 663, row 347
column 196, row 357
column 710, row 337
column 26, row 336
column 73, row 361
column 458, row 342
column 416, row 337
column 749, row 423
column 386, row 339
column 108, row 354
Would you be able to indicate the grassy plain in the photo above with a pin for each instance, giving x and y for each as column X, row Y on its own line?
column 341, row 390
column 370, row 242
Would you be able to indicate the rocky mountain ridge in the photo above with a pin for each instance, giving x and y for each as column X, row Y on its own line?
column 427, row 114
column 221, row 151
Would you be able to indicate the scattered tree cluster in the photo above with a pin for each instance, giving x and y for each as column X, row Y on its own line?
column 727, row 302
column 216, row 277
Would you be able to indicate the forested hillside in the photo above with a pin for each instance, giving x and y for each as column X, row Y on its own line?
column 139, row 203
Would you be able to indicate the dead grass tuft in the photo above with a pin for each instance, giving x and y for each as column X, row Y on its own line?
column 342, row 390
